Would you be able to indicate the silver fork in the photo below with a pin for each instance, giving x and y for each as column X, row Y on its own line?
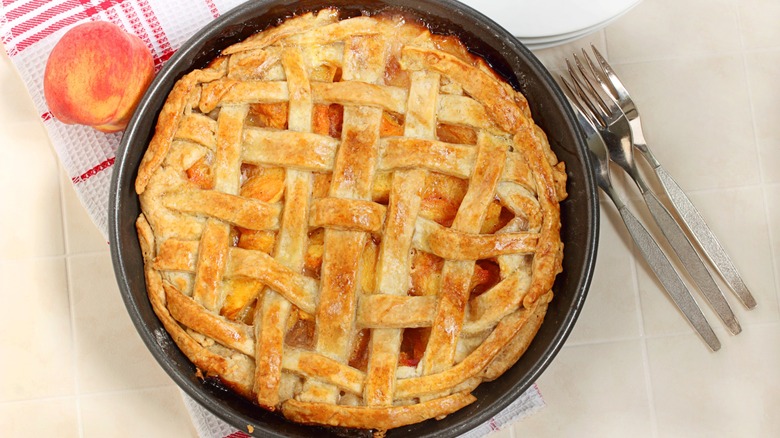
column 614, row 128
column 689, row 214
column 650, row 250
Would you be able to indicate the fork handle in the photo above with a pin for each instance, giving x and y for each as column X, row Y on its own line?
column 691, row 261
column 669, row 278
column 705, row 237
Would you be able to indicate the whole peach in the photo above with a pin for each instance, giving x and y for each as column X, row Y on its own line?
column 96, row 75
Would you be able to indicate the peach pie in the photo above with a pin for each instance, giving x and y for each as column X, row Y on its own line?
column 353, row 222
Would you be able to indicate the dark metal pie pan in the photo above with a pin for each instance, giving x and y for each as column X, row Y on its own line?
column 579, row 213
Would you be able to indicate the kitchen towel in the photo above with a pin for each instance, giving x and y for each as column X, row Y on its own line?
column 209, row 426
column 29, row 30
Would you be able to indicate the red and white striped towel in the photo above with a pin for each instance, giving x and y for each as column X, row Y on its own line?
column 30, row 28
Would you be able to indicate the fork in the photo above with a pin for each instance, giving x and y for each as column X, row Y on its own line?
column 710, row 245
column 613, row 126
column 650, row 250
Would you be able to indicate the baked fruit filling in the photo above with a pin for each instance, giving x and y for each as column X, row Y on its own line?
column 352, row 221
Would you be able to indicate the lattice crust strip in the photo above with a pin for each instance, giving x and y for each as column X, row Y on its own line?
column 353, row 221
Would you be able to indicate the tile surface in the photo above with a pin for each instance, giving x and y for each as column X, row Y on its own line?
column 117, row 414
column 35, row 330
column 29, row 167
column 613, row 285
column 597, row 390
column 704, row 74
column 751, row 253
column 761, row 68
column 687, row 403
column 24, row 419
column 81, row 234
column 773, row 212
column 661, row 29
column 696, row 117
column 113, row 357
column 758, row 22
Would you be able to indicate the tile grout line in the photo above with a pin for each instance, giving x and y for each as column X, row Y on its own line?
column 640, row 316
column 18, row 259
column 605, row 42
column 71, row 305
column 172, row 386
column 694, row 56
column 774, row 254
column 89, row 254
column 52, row 256
column 63, row 213
column 751, row 110
column 37, row 399
column 643, row 340
column 662, row 336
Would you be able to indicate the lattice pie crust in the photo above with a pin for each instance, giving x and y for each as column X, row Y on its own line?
column 354, row 222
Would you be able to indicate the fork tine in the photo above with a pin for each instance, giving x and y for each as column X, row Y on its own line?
column 571, row 94
column 608, row 102
column 577, row 102
column 578, row 91
column 600, row 75
column 607, row 70
column 597, row 109
column 586, row 123
column 585, row 84
column 619, row 90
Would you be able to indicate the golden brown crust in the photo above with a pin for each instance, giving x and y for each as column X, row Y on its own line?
column 352, row 221
column 519, row 343
column 368, row 417
column 168, row 122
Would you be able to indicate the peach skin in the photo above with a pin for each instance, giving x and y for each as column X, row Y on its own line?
column 96, row 75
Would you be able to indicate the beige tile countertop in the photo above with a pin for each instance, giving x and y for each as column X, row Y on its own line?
column 705, row 76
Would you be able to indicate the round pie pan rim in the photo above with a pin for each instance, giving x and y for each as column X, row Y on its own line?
column 471, row 26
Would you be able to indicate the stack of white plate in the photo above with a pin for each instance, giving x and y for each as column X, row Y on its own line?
column 546, row 23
